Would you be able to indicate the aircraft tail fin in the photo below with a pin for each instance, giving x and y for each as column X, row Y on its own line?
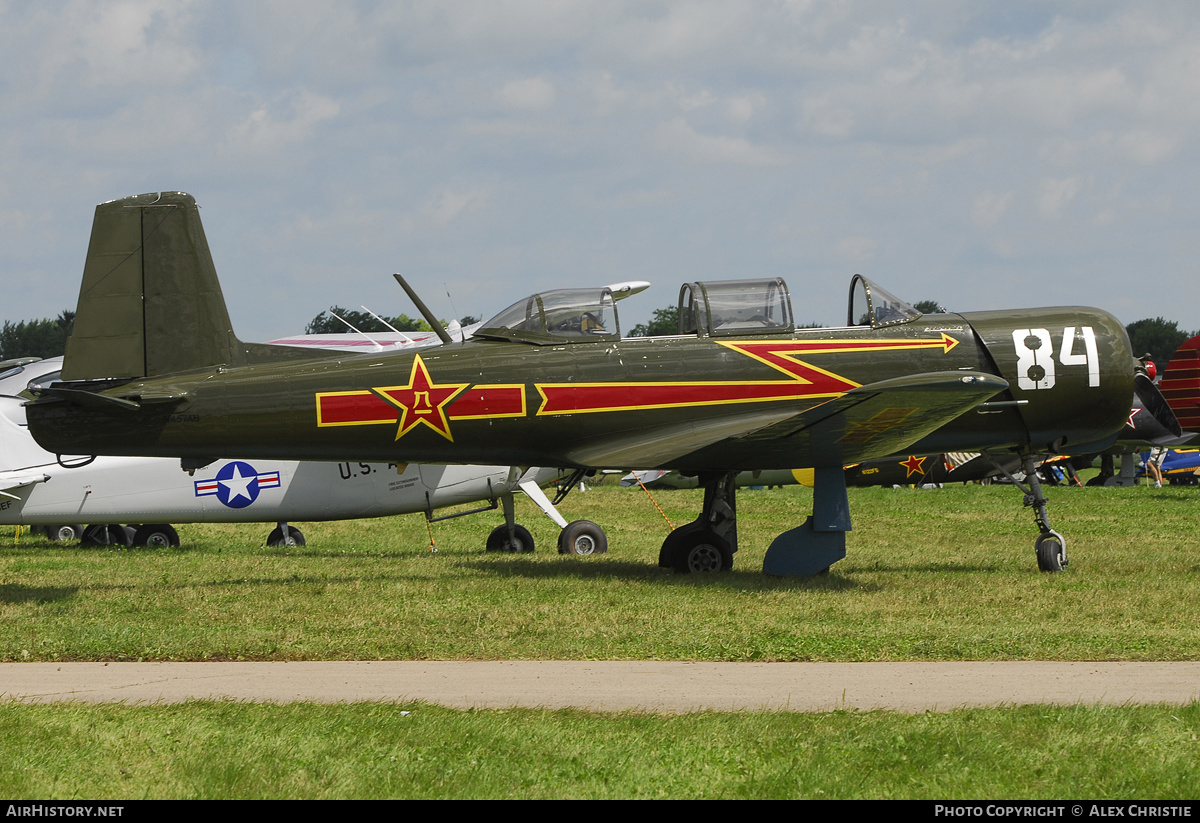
column 150, row 303
column 1180, row 384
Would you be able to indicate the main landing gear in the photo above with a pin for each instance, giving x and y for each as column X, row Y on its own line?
column 708, row 543
column 580, row 537
column 1050, row 546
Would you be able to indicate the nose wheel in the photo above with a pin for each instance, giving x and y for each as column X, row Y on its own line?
column 1050, row 546
column 1051, row 549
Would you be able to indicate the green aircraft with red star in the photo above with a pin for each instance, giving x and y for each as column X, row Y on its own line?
column 154, row 368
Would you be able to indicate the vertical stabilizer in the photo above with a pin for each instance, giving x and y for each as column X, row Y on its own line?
column 150, row 303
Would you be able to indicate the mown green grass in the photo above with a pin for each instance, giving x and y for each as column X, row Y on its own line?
column 227, row 749
column 943, row 575
column 930, row 575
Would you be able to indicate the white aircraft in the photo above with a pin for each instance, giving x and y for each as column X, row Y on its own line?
column 59, row 494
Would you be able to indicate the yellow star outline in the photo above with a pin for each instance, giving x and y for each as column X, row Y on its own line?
column 914, row 465
column 422, row 401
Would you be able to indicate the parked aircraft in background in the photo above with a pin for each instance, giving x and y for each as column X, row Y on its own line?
column 913, row 469
column 1181, row 384
column 93, row 499
column 549, row 381
column 1181, row 467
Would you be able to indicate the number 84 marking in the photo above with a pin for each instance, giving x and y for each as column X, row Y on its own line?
column 1035, row 356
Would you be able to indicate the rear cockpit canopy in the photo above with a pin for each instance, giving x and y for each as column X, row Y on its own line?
column 722, row 308
column 875, row 307
column 557, row 317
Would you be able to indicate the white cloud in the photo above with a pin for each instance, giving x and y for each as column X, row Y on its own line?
column 530, row 94
column 678, row 138
column 1055, row 195
column 270, row 127
column 989, row 207
column 857, row 249
column 447, row 205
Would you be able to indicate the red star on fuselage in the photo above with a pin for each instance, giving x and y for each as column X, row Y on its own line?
column 914, row 465
column 422, row 401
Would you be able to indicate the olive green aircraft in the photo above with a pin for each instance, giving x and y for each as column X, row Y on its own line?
column 154, row 368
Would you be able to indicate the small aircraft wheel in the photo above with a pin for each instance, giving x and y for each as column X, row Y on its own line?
column 498, row 540
column 57, row 533
column 1051, row 556
column 693, row 551
column 276, row 538
column 582, row 537
column 111, row 534
column 161, row 536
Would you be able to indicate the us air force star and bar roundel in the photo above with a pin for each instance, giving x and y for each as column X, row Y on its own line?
column 422, row 401
column 237, row 484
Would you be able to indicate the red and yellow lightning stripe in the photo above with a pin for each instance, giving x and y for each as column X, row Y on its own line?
column 805, row 380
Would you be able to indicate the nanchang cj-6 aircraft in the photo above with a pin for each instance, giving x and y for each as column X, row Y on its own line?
column 154, row 368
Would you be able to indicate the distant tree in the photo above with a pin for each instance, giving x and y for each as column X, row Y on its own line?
column 928, row 307
column 663, row 322
column 327, row 323
column 1157, row 336
column 36, row 338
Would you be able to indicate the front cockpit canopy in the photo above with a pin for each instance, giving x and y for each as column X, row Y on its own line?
column 875, row 307
column 557, row 317
column 735, row 307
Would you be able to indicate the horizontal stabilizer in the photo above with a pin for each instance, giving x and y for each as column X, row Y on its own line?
column 15, row 480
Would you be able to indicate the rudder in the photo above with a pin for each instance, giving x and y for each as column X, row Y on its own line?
column 150, row 302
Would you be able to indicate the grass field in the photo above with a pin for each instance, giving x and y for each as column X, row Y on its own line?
column 930, row 575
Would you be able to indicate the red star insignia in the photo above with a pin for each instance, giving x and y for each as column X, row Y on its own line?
column 1132, row 414
column 914, row 465
column 422, row 401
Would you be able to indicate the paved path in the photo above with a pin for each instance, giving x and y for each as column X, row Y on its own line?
column 614, row 686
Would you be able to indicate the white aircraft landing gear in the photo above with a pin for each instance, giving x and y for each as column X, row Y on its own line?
column 108, row 534
column 64, row 532
column 156, row 536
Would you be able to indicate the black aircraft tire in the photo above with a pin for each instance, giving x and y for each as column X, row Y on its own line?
column 582, row 537
column 695, row 550
column 111, row 534
column 1049, row 550
column 64, row 532
column 275, row 539
column 159, row 536
column 498, row 540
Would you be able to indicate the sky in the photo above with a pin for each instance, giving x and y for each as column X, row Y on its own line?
column 985, row 155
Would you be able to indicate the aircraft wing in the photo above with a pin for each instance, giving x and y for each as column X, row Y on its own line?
column 870, row 421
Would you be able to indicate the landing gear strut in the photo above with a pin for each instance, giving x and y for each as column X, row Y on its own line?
column 511, row 537
column 707, row 543
column 1050, row 546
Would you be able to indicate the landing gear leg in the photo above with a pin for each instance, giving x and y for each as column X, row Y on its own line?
column 1050, row 546
column 707, row 543
column 812, row 548
column 511, row 537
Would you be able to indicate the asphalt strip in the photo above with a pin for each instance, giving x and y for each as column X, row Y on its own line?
column 663, row 687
